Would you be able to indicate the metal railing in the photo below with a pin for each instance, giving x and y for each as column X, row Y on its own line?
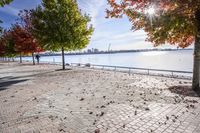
column 130, row 70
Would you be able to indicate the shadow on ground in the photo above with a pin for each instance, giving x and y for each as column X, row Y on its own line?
column 183, row 90
column 7, row 81
column 66, row 69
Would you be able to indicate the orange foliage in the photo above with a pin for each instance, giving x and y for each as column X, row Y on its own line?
column 24, row 41
column 174, row 21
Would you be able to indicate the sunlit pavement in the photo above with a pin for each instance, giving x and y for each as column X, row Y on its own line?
column 42, row 99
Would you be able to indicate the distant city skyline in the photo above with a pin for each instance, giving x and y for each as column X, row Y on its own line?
column 107, row 31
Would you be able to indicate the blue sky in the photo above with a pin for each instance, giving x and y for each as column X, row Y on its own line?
column 107, row 31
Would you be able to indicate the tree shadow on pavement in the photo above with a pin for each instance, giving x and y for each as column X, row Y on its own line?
column 66, row 69
column 7, row 81
column 183, row 90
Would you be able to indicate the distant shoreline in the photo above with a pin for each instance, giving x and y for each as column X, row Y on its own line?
column 113, row 52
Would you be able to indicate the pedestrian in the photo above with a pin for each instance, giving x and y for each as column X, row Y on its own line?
column 37, row 58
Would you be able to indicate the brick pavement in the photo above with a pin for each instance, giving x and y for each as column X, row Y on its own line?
column 38, row 99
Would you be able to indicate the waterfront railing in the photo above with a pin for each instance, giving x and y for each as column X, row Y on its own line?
column 129, row 70
column 136, row 70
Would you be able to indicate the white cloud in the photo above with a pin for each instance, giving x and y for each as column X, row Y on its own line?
column 137, row 34
column 93, row 8
column 103, row 34
column 107, row 31
column 10, row 10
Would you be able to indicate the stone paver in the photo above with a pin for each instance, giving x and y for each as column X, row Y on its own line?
column 39, row 99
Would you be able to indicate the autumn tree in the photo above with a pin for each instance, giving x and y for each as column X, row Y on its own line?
column 2, row 46
column 24, row 42
column 7, row 45
column 176, row 22
column 59, row 25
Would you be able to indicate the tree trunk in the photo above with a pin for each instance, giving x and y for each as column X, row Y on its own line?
column 20, row 57
column 63, row 58
column 196, row 67
column 33, row 58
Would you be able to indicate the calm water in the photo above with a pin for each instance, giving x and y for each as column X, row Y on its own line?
column 172, row 60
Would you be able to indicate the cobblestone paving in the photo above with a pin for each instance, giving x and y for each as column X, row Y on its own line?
column 39, row 99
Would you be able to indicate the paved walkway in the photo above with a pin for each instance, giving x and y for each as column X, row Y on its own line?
column 40, row 99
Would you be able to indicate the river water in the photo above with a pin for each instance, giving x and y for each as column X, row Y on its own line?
column 181, row 60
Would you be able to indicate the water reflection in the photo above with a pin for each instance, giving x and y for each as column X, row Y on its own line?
column 173, row 60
